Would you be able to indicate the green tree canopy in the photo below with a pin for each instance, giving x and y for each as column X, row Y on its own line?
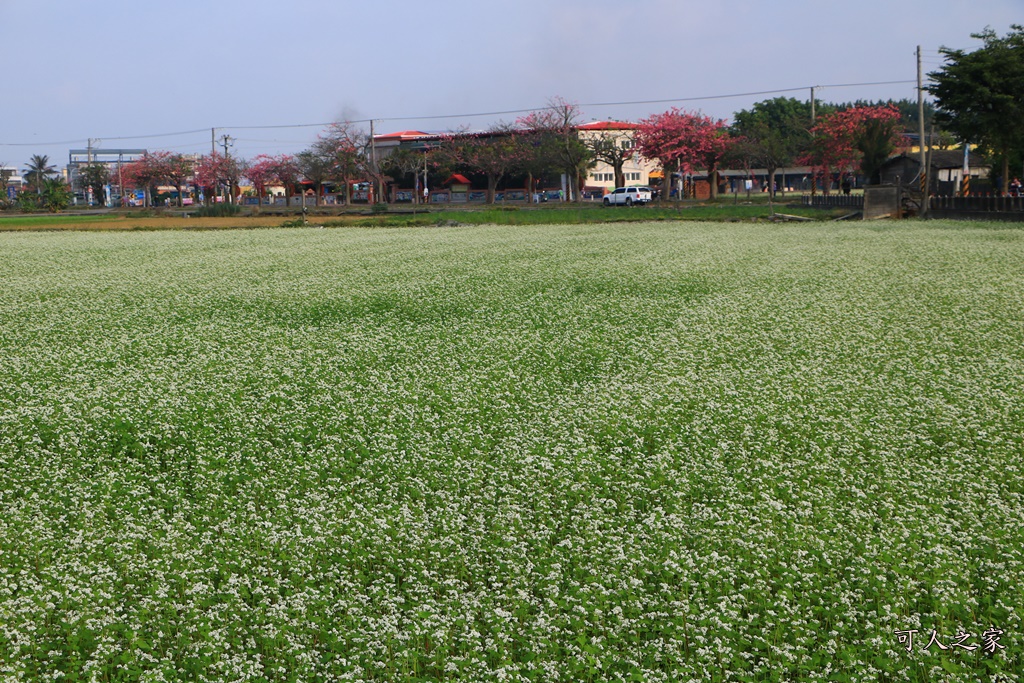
column 38, row 170
column 980, row 94
column 775, row 132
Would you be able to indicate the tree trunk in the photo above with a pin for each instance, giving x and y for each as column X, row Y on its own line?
column 1006, row 174
column 492, row 186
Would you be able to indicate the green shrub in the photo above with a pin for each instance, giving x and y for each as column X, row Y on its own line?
column 219, row 211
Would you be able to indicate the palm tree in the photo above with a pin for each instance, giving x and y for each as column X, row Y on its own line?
column 38, row 170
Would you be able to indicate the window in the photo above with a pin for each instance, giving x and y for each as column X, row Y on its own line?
column 626, row 144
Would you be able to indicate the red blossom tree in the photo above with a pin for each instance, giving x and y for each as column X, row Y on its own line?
column 177, row 169
column 858, row 137
column 215, row 170
column 260, row 172
column 145, row 173
column 684, row 141
column 287, row 173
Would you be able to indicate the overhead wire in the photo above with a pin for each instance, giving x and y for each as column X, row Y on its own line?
column 462, row 116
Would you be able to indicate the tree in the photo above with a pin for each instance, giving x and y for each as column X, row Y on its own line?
column 555, row 140
column 37, row 171
column 401, row 163
column 5, row 176
column 317, row 166
column 215, row 170
column 775, row 133
column 260, row 172
column 53, row 195
column 684, row 141
column 612, row 149
column 178, row 168
column 348, row 147
column 493, row 154
column 857, row 137
column 286, row 171
column 146, row 173
column 56, row 194
column 978, row 94
column 95, row 177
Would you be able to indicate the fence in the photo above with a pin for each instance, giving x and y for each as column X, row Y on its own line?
column 820, row 201
column 990, row 207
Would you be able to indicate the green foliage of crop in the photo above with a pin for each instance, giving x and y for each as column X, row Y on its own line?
column 218, row 211
column 648, row 452
column 47, row 221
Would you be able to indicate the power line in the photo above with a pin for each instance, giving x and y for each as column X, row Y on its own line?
column 157, row 135
column 467, row 115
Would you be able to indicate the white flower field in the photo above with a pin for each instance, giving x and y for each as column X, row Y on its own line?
column 631, row 452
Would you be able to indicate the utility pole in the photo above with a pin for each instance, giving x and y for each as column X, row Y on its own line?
column 228, row 141
column 814, row 177
column 373, row 163
column 925, row 180
column 213, row 141
column 88, row 187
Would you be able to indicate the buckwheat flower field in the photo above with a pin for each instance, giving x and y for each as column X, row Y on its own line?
column 644, row 452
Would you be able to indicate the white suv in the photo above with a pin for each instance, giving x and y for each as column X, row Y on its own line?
column 628, row 196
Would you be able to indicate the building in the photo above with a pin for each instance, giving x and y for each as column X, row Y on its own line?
column 947, row 171
column 636, row 170
column 11, row 181
column 112, row 159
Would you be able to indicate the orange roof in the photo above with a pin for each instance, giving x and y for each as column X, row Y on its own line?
column 403, row 135
column 456, row 178
column 607, row 125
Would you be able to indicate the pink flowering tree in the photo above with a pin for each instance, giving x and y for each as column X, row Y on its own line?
column 260, row 172
column 855, row 138
column 684, row 142
column 145, row 173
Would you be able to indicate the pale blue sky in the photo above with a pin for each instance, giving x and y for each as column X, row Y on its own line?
column 119, row 68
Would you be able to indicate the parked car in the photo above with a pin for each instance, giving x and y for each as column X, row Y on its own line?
column 628, row 196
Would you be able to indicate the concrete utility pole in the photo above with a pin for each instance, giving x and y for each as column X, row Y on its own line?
column 226, row 141
column 88, row 156
column 814, row 178
column 373, row 164
column 213, row 141
column 920, row 133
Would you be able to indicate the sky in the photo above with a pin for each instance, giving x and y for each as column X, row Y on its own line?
column 271, row 75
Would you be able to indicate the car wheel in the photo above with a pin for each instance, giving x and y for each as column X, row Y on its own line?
column 607, row 202
column 629, row 201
